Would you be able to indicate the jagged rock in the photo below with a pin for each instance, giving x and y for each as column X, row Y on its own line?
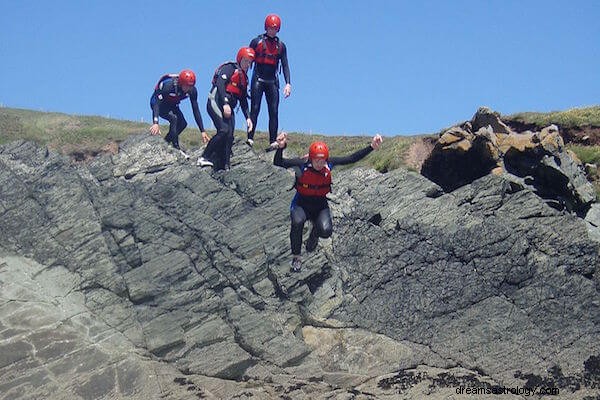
column 536, row 160
column 174, row 282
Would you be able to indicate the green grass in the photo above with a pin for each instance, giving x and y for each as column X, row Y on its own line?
column 66, row 133
column 586, row 116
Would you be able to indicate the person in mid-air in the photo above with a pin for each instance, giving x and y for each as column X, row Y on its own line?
column 230, row 83
column 269, row 52
column 313, row 183
column 164, row 102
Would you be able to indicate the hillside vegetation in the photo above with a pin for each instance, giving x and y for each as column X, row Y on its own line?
column 74, row 134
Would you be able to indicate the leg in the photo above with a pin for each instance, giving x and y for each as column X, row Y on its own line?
column 181, row 125
column 214, row 148
column 256, row 92
column 228, row 142
column 298, row 218
column 322, row 225
column 272, row 96
column 171, row 116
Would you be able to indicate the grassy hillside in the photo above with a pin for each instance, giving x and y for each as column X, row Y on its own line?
column 576, row 117
column 74, row 134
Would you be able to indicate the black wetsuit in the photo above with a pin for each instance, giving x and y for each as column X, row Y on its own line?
column 265, row 80
column 164, row 102
column 313, row 208
column 218, row 149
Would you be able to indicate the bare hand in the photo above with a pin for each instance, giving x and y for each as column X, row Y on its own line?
column 155, row 129
column 227, row 111
column 250, row 124
column 205, row 137
column 287, row 90
column 376, row 142
column 282, row 140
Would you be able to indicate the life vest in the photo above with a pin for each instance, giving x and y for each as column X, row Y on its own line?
column 238, row 82
column 176, row 95
column 267, row 51
column 314, row 183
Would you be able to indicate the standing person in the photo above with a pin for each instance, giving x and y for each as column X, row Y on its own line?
column 269, row 51
column 313, row 182
column 230, row 83
column 164, row 102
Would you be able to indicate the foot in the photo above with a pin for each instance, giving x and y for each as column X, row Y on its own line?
column 203, row 162
column 184, row 154
column 273, row 146
column 250, row 142
column 296, row 264
column 312, row 241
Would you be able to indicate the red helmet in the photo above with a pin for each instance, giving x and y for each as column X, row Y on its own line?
column 318, row 150
column 245, row 52
column 187, row 77
column 273, row 21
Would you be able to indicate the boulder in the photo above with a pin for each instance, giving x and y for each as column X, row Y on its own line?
column 535, row 160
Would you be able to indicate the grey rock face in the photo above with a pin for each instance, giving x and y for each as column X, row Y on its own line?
column 141, row 276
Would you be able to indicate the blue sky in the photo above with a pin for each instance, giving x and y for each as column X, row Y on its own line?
column 357, row 67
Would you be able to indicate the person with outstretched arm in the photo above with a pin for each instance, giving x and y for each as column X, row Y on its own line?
column 313, row 183
column 164, row 102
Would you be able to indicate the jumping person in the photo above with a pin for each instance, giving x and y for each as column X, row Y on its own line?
column 164, row 102
column 269, row 52
column 230, row 83
column 313, row 182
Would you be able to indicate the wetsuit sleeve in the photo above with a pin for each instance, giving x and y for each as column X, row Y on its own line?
column 155, row 107
column 279, row 161
column 223, row 76
column 244, row 105
column 284, row 64
column 195, row 109
column 352, row 158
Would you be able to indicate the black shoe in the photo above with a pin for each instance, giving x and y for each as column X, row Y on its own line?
column 296, row 264
column 312, row 241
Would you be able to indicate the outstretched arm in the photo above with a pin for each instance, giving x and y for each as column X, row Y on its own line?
column 358, row 155
column 279, row 161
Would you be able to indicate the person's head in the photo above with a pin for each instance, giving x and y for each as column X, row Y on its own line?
column 245, row 57
column 187, row 79
column 318, row 153
column 272, row 24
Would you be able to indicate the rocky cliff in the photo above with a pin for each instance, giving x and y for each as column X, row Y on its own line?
column 140, row 276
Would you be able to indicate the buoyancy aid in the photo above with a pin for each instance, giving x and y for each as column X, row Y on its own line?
column 267, row 50
column 237, row 83
column 314, row 183
column 175, row 95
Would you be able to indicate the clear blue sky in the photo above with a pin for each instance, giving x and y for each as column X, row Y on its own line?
column 357, row 67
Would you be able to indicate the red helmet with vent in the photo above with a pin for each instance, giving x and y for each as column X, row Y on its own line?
column 318, row 150
column 273, row 21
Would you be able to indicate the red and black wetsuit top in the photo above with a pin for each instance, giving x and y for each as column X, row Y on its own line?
column 231, row 83
column 311, row 185
column 269, row 52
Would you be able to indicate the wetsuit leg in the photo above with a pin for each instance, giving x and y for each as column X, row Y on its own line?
column 172, row 115
column 216, row 146
column 179, row 127
column 272, row 97
column 229, row 142
column 323, row 224
column 256, row 92
column 298, row 218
